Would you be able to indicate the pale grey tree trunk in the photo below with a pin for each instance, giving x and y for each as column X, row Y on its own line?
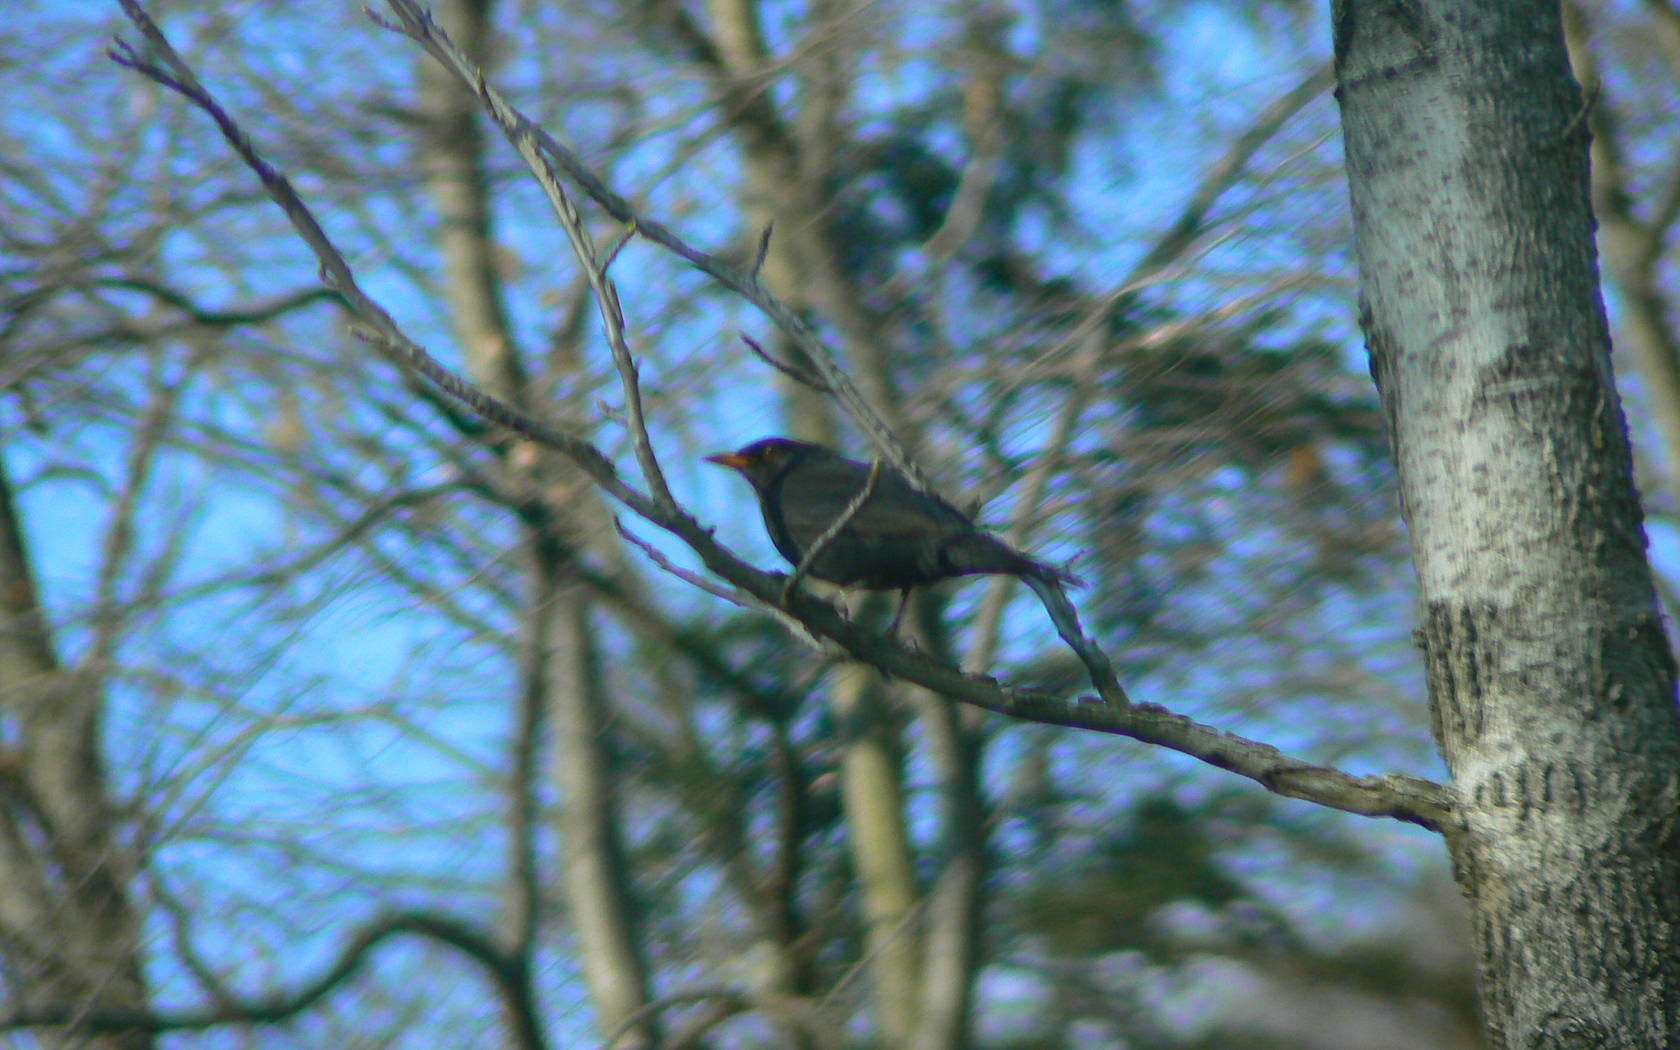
column 1549, row 672
column 561, row 675
column 596, row 875
column 951, row 945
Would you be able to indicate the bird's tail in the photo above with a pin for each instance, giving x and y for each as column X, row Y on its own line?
column 981, row 552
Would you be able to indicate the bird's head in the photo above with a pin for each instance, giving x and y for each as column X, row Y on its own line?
column 763, row 461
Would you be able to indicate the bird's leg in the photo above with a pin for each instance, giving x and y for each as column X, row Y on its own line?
column 898, row 616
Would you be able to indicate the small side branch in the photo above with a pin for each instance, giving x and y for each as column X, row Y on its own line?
column 834, row 529
column 798, row 375
column 1066, row 618
column 526, row 139
column 413, row 22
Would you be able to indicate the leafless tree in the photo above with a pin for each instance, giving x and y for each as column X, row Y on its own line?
column 521, row 736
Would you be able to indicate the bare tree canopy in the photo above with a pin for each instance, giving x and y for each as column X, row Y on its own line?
column 383, row 662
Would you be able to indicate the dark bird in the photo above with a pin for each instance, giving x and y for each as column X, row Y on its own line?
column 897, row 538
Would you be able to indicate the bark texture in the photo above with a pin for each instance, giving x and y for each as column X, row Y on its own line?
column 1633, row 252
column 1550, row 676
column 68, row 932
column 871, row 778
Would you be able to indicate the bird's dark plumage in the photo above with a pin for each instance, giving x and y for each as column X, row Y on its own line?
column 898, row 539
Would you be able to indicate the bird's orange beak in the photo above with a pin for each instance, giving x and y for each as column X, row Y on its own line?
column 732, row 460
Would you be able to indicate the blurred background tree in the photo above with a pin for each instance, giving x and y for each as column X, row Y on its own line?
column 302, row 665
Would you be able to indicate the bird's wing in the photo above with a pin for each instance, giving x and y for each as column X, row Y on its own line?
column 812, row 499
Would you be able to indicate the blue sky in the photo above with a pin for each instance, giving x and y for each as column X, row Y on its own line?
column 383, row 725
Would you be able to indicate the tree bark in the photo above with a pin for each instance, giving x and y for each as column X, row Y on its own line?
column 1550, row 676
column 1633, row 250
column 596, row 869
column 561, row 674
column 872, row 790
column 67, row 924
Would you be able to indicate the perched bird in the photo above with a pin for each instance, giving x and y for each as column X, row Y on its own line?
column 897, row 539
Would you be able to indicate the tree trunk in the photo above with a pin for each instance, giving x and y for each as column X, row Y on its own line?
column 1549, row 673
column 561, row 673
column 596, row 870
column 951, row 943
column 872, row 788
column 1632, row 255
column 72, row 941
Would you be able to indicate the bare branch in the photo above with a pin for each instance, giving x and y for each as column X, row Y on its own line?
column 801, row 377
column 763, row 250
column 1399, row 796
column 624, row 237
column 797, row 1013
column 509, row 977
column 655, row 555
column 270, row 309
column 522, row 135
column 418, row 26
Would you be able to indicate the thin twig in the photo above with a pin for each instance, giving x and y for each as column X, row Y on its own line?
column 1589, row 99
column 763, row 250
column 159, row 62
column 655, row 555
column 1167, row 251
column 610, row 256
column 834, row 529
column 523, row 136
column 419, row 27
column 801, row 377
